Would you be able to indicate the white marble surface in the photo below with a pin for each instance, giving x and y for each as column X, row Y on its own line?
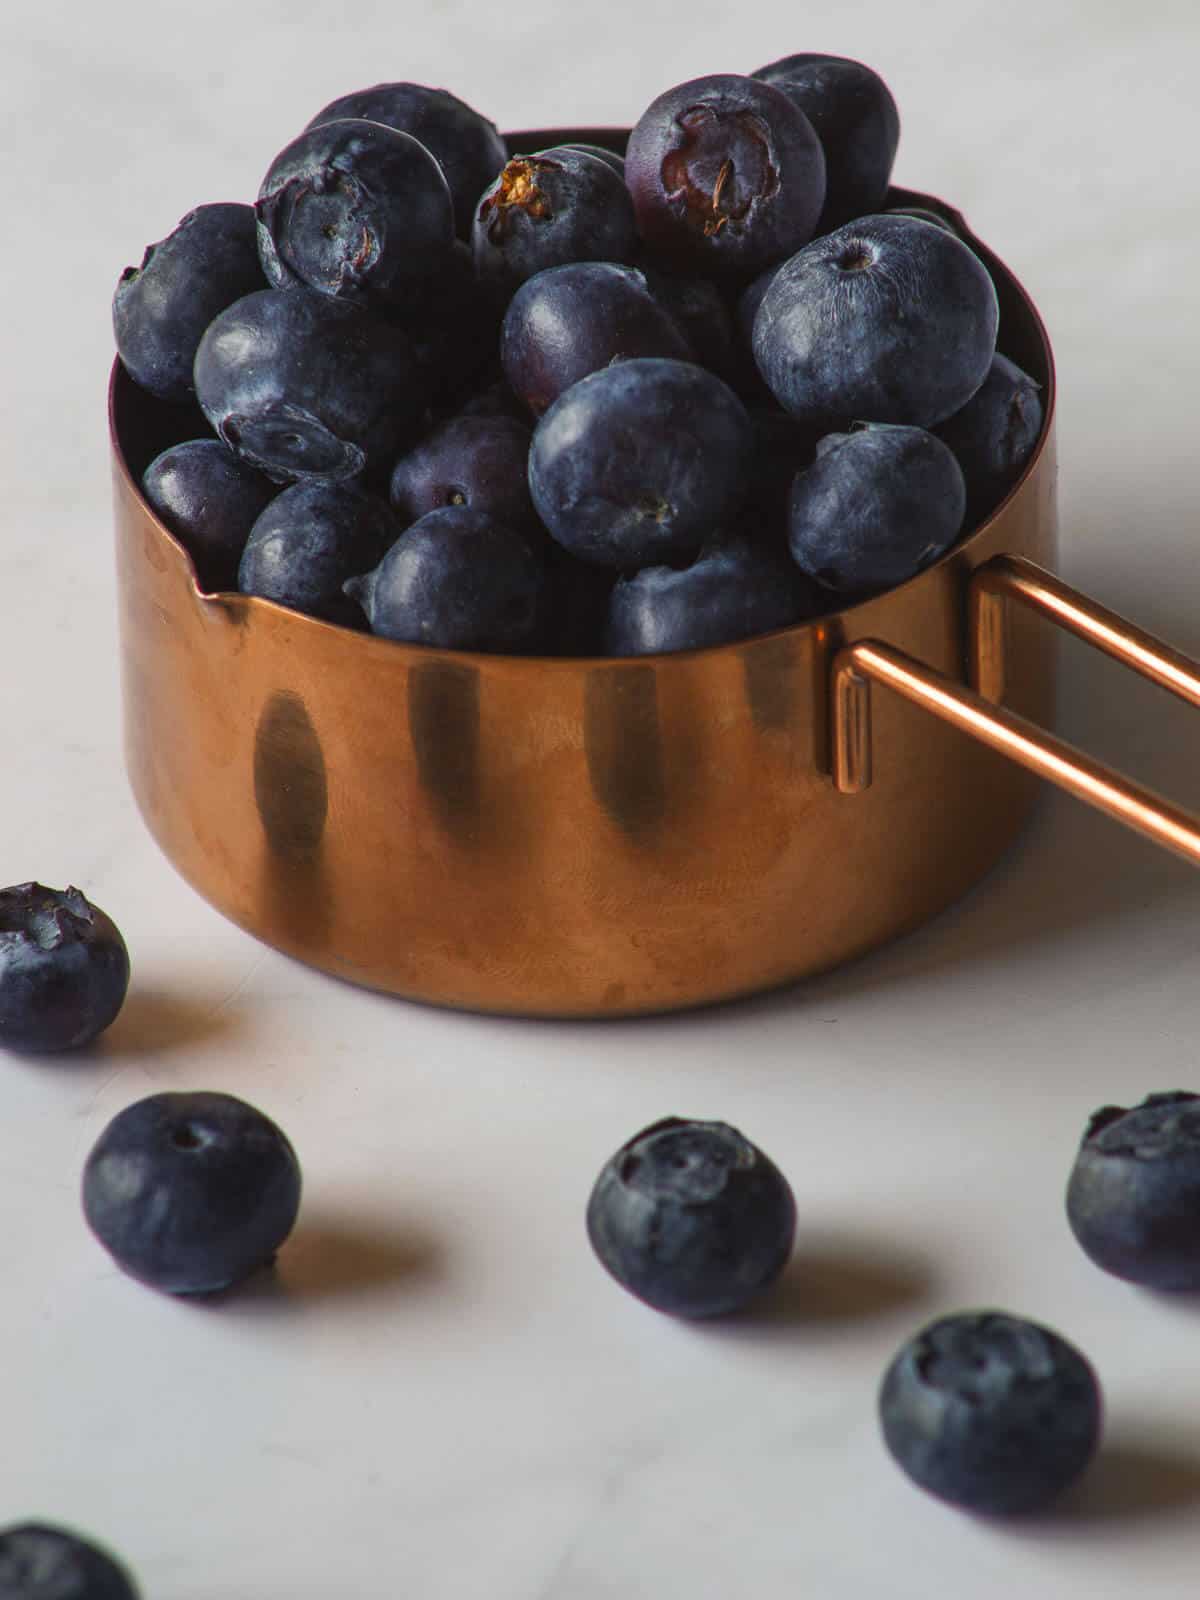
column 441, row 1395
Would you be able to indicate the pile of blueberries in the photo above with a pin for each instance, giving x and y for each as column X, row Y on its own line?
column 566, row 402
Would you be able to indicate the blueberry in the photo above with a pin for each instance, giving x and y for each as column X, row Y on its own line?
column 609, row 157
column 64, row 968
column 875, row 507
column 550, row 208
column 726, row 175
column 1133, row 1199
column 569, row 321
column 990, row 1412
column 855, row 119
column 922, row 214
column 308, row 541
column 885, row 320
column 458, row 579
column 702, row 316
column 493, row 398
column 640, row 463
column 41, row 1562
column 475, row 461
column 161, row 309
column 307, row 387
column 994, row 434
column 209, row 500
column 692, row 1218
column 466, row 145
column 354, row 209
column 190, row 1193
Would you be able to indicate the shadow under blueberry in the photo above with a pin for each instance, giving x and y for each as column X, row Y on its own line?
column 1132, row 1479
column 154, row 1021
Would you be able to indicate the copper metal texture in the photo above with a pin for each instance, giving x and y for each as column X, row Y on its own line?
column 570, row 837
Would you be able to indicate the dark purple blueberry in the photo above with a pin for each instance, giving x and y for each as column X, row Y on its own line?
column 726, row 175
column 747, row 379
column 569, row 321
column 42, row 1562
column 481, row 462
column 640, row 463
column 876, row 506
column 467, row 146
column 209, row 499
column 885, row 320
column 64, row 969
column 493, row 398
column 994, row 434
column 923, row 214
column 692, row 1218
column 308, row 541
column 307, row 387
column 458, row 579
column 609, row 157
column 354, row 209
column 991, row 1412
column 858, row 125
column 550, row 208
column 702, row 316
column 161, row 309
column 190, row 1193
column 453, row 322
column 1133, row 1200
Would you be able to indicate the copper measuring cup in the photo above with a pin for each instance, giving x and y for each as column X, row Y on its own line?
column 604, row 837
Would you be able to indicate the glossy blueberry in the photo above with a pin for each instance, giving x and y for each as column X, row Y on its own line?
column 990, row 1412
column 601, row 153
column 857, row 122
column 191, row 1192
column 354, row 209
column 64, row 969
column 478, row 461
column 875, row 507
column 692, row 1218
column 885, row 320
column 993, row 435
column 726, row 175
column 550, row 208
column 467, row 146
column 209, row 499
column 39, row 1561
column 702, row 316
column 1133, row 1199
column 309, row 540
column 307, row 387
column 458, row 579
column 161, row 309
column 569, row 321
column 640, row 463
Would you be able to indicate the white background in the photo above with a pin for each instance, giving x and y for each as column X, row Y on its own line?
column 441, row 1394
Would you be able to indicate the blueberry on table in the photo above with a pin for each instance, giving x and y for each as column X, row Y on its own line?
column 993, row 435
column 209, row 499
column 1133, row 1199
column 307, row 387
column 476, row 461
column 885, row 320
column 990, row 1412
column 727, row 176
column 42, row 1562
column 876, row 506
column 308, row 541
column 857, row 122
column 354, row 209
column 640, row 463
column 64, row 969
column 692, row 1218
column 191, row 1192
column 161, row 309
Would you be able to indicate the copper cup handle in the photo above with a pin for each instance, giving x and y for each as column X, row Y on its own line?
column 978, row 712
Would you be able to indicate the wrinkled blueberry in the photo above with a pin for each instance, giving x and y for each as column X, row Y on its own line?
column 994, row 434
column 550, row 208
column 990, row 1412
column 191, row 1192
column 726, row 175
column 692, row 1218
column 457, row 579
column 855, row 119
column 161, row 309
column 308, row 541
column 875, row 507
column 307, row 387
column 42, row 1562
column 1133, row 1199
column 640, row 463
column 354, row 209
column 477, row 461
column 64, row 968
column 704, row 320
column 885, row 320
column 209, row 499
column 569, row 321
column 609, row 157
column 467, row 146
